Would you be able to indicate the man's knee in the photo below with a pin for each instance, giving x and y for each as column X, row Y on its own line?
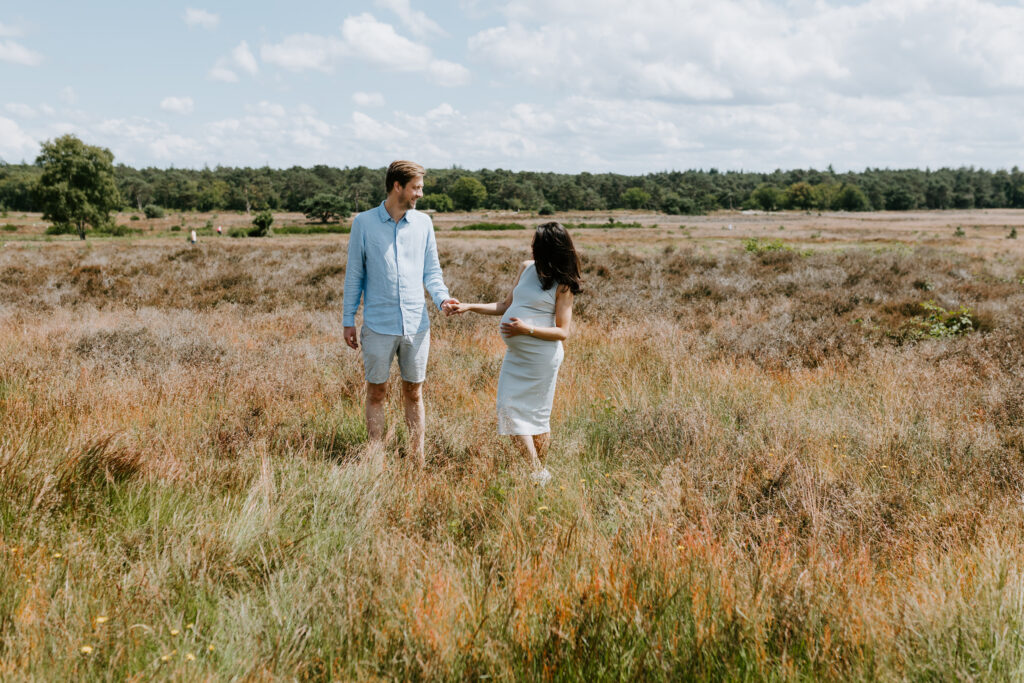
column 376, row 393
column 412, row 391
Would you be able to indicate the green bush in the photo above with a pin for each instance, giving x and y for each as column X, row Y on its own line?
column 1013, row 234
column 312, row 229
column 546, row 210
column 261, row 224
column 153, row 211
column 135, row 217
column 175, row 228
column 10, row 227
column 612, row 223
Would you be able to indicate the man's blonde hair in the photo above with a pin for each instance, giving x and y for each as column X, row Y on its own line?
column 402, row 172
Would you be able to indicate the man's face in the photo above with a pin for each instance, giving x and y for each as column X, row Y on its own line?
column 412, row 191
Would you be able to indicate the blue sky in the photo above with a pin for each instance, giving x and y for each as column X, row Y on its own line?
column 631, row 86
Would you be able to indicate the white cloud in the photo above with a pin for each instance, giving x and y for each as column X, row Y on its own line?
column 368, row 99
column 16, row 53
column 448, row 74
column 266, row 108
column 416, row 22
column 369, row 129
column 178, row 105
column 67, row 95
column 14, row 142
column 22, row 110
column 7, row 31
column 171, row 147
column 380, row 44
column 221, row 73
column 244, row 59
column 304, row 51
column 363, row 38
column 226, row 68
column 201, row 18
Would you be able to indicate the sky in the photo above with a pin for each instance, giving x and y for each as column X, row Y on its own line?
column 627, row 86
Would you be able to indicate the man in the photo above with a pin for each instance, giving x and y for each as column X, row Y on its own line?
column 392, row 256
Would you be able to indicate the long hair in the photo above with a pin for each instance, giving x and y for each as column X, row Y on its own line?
column 555, row 257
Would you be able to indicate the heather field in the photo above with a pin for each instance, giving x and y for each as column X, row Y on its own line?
column 785, row 447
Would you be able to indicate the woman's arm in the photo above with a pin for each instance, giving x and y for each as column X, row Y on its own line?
column 563, row 320
column 498, row 307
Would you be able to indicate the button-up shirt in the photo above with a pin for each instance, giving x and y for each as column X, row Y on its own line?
column 389, row 264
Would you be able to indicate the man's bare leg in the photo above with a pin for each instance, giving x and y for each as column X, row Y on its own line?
column 412, row 398
column 375, row 397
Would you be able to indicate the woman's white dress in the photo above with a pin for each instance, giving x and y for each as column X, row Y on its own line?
column 526, row 385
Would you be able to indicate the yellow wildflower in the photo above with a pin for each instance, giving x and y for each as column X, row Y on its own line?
column 175, row 631
column 101, row 620
column 542, row 508
column 85, row 649
column 190, row 657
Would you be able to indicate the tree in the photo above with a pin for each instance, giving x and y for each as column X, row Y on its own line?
column 468, row 193
column 261, row 224
column 767, row 197
column 800, row 195
column 437, row 202
column 77, row 188
column 325, row 206
column 635, row 198
column 850, row 198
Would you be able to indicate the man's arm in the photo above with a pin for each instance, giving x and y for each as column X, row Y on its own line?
column 355, row 283
column 433, row 279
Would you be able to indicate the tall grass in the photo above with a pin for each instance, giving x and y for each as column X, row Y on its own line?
column 754, row 477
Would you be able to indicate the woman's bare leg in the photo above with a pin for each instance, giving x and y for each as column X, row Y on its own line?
column 540, row 444
column 525, row 444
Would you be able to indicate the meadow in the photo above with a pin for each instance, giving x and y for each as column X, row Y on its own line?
column 785, row 447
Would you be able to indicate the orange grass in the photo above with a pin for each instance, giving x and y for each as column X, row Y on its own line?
column 757, row 475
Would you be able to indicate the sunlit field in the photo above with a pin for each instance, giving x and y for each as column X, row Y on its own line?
column 785, row 447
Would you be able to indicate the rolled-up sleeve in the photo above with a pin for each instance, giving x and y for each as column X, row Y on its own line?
column 355, row 276
column 433, row 279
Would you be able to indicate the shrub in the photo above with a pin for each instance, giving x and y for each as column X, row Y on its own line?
column 546, row 210
column 135, row 217
column 153, row 211
column 312, row 229
column 175, row 228
column 490, row 226
column 959, row 232
column 261, row 224
column 10, row 227
column 1013, row 234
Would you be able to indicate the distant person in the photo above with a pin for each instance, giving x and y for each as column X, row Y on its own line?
column 193, row 238
column 392, row 256
column 536, row 317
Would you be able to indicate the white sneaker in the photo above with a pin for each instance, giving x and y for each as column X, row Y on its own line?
column 541, row 477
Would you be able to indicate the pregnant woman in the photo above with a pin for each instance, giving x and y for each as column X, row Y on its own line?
column 536, row 317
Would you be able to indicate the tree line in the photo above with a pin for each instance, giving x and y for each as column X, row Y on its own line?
column 327, row 192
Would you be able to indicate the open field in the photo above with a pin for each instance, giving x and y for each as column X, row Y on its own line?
column 779, row 453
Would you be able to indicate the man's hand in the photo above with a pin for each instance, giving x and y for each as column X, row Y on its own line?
column 450, row 307
column 351, row 338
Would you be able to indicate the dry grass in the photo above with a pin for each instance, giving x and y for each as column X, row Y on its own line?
column 759, row 473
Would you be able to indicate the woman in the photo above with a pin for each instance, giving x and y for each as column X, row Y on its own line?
column 536, row 317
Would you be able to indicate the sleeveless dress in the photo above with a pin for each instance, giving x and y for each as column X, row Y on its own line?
column 526, row 385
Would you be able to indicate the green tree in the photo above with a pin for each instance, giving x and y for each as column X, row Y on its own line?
column 800, row 196
column 850, row 198
column 77, row 188
column 437, row 201
column 635, row 198
column 468, row 193
column 767, row 197
column 261, row 224
column 325, row 206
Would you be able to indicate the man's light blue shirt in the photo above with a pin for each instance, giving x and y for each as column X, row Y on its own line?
column 389, row 264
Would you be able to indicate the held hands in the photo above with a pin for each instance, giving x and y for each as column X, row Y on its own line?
column 452, row 307
column 514, row 327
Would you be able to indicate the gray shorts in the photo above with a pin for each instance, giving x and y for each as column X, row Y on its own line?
column 379, row 350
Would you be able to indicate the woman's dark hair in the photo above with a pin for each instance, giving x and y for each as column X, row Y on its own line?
column 555, row 257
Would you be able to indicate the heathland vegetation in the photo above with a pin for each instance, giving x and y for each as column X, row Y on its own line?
column 792, row 459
